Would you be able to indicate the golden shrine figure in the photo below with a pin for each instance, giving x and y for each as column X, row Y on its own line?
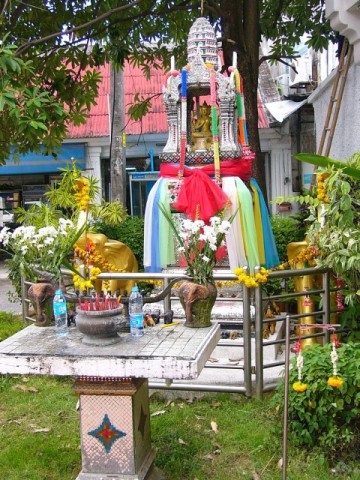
column 201, row 129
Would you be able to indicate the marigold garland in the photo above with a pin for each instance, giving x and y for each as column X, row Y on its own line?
column 335, row 380
column 321, row 190
column 93, row 265
column 82, row 193
column 252, row 281
column 83, row 284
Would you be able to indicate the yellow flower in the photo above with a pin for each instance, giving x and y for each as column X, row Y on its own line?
column 299, row 386
column 252, row 281
column 238, row 271
column 335, row 382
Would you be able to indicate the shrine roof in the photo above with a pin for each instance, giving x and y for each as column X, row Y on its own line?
column 135, row 82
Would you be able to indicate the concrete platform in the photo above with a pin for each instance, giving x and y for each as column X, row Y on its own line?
column 225, row 366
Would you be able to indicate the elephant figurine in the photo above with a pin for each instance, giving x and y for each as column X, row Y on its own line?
column 115, row 253
column 41, row 295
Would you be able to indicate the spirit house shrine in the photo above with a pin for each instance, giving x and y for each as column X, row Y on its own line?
column 206, row 164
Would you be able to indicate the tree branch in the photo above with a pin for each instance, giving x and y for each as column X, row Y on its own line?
column 103, row 16
column 279, row 59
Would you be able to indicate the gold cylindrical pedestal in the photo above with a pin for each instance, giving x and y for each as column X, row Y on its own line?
column 303, row 283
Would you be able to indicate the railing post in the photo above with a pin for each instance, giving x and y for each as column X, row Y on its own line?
column 326, row 305
column 167, row 300
column 247, row 341
column 259, row 347
column 24, row 305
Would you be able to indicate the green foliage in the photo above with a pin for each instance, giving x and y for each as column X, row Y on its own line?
column 33, row 114
column 323, row 415
column 336, row 233
column 334, row 228
column 111, row 213
column 38, row 215
column 50, row 50
column 130, row 232
column 325, row 162
column 287, row 230
column 285, row 23
column 61, row 195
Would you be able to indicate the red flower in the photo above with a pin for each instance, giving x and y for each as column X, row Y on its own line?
column 297, row 347
column 221, row 252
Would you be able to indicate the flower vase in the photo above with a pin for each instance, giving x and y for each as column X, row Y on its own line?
column 197, row 301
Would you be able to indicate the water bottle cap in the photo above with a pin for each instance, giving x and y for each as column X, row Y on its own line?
column 135, row 289
column 58, row 292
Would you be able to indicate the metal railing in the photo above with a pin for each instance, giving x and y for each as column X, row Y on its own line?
column 252, row 326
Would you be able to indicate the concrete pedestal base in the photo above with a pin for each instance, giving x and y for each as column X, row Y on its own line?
column 114, row 429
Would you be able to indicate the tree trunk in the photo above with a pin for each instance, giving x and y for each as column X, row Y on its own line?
column 240, row 27
column 117, row 150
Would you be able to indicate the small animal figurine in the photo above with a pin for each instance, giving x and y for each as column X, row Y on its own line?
column 156, row 316
column 234, row 334
column 148, row 320
column 275, row 308
column 168, row 317
column 269, row 328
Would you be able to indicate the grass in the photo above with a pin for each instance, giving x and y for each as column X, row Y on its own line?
column 9, row 324
column 216, row 437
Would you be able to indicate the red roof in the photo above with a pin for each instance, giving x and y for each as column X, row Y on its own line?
column 98, row 123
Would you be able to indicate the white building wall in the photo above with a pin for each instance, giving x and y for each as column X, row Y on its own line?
column 346, row 139
column 277, row 144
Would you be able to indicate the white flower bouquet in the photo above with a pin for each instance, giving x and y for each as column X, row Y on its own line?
column 200, row 245
column 38, row 252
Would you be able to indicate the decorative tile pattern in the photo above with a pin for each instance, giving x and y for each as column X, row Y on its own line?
column 107, row 433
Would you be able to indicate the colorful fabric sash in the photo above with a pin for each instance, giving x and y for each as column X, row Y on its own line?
column 250, row 226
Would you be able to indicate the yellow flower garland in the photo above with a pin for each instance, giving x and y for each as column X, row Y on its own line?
column 252, row 281
column 82, row 193
column 83, row 284
column 321, row 191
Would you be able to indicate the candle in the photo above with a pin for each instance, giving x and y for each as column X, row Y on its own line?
column 212, row 87
column 172, row 63
column 234, row 59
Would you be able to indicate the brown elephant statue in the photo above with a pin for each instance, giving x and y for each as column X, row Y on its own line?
column 115, row 253
column 41, row 295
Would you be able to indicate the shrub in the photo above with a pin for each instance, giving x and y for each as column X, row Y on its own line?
column 287, row 230
column 130, row 232
column 323, row 415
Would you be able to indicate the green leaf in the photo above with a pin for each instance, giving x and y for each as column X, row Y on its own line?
column 325, row 162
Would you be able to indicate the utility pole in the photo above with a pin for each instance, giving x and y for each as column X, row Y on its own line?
column 117, row 146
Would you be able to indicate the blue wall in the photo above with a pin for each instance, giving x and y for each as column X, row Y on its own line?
column 38, row 163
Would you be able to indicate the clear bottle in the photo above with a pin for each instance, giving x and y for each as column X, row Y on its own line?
column 60, row 314
column 136, row 312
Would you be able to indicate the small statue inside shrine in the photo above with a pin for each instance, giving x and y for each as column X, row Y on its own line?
column 201, row 130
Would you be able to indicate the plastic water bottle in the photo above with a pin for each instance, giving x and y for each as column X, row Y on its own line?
column 60, row 314
column 136, row 313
